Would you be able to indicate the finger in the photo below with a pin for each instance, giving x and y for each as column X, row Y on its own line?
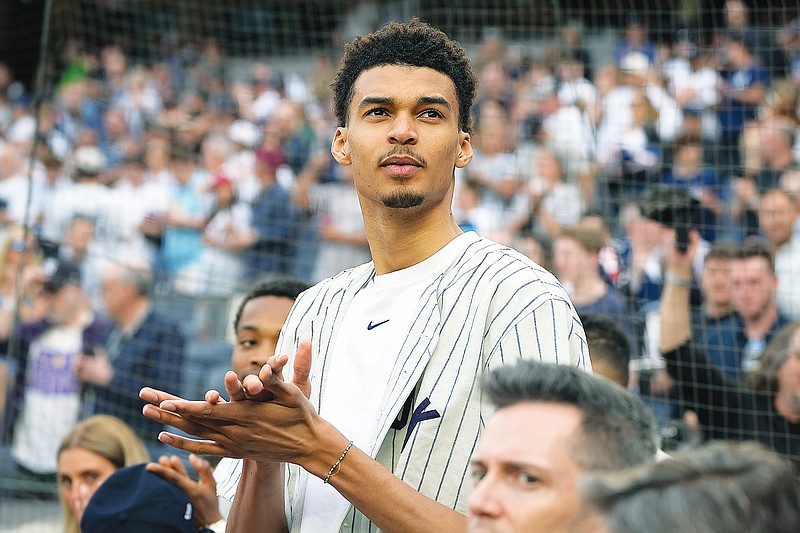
column 182, row 481
column 191, row 423
column 214, row 396
column 155, row 396
column 199, row 447
column 205, row 472
column 252, row 386
column 234, row 387
column 302, row 367
column 277, row 363
column 279, row 388
column 177, row 465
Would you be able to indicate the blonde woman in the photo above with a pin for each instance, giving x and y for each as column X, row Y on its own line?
column 93, row 450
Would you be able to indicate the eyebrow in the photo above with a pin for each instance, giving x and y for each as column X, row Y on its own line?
column 422, row 100
column 509, row 465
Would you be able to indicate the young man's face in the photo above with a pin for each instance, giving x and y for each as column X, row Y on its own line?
column 403, row 138
column 715, row 281
column 257, row 333
column 525, row 478
column 752, row 286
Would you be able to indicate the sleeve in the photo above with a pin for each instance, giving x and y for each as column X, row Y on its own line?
column 703, row 388
column 551, row 333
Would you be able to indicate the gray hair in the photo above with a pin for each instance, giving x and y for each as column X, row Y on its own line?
column 723, row 487
column 616, row 431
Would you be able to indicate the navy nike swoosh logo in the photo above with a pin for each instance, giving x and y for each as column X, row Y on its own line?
column 372, row 326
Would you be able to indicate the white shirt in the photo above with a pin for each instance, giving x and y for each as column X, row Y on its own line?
column 377, row 323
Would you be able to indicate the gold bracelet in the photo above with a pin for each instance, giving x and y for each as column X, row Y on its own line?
column 335, row 468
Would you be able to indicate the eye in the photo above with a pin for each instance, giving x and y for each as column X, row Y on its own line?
column 66, row 482
column 431, row 113
column 525, row 479
column 248, row 343
column 377, row 112
column 477, row 474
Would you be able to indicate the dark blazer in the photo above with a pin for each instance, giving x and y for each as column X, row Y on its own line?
column 152, row 357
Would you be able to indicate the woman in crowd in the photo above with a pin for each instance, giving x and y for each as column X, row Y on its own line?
column 90, row 453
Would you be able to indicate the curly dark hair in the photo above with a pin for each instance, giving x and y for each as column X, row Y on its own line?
column 417, row 44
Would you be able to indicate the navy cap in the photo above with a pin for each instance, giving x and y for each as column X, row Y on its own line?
column 133, row 500
column 66, row 273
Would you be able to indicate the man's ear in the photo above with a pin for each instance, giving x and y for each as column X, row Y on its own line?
column 464, row 150
column 340, row 148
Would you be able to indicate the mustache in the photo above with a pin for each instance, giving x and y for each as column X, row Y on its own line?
column 401, row 151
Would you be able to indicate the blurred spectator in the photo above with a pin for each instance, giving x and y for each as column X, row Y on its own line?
column 85, row 195
column 711, row 321
column 753, row 289
column 718, row 487
column 343, row 239
column 21, row 206
column 144, row 348
column 493, row 169
column 184, row 221
column 575, row 263
column 21, row 277
column 137, row 195
column 572, row 46
column 778, row 217
column 77, row 249
column 88, row 455
column 766, row 411
column 241, row 162
column 46, row 400
column 609, row 348
column 701, row 183
column 693, row 82
column 275, row 220
column 742, row 91
column 553, row 204
column 635, row 42
column 228, row 232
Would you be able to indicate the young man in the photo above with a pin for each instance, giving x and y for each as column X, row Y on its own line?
column 399, row 343
column 552, row 424
column 257, row 325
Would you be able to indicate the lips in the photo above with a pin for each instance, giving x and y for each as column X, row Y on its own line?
column 400, row 165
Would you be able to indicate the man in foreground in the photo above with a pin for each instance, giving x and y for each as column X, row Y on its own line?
column 398, row 344
column 552, row 424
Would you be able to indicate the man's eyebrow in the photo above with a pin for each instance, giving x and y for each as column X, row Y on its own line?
column 422, row 100
column 376, row 100
column 435, row 100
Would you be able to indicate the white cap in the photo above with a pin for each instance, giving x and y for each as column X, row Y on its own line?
column 89, row 160
column 244, row 133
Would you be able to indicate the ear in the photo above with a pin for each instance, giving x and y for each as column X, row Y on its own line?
column 464, row 150
column 340, row 148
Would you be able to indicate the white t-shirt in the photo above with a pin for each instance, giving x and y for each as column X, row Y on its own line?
column 52, row 399
column 377, row 323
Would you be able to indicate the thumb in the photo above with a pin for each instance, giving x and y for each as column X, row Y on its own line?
column 302, row 367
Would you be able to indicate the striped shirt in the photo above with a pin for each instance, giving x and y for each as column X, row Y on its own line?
column 490, row 307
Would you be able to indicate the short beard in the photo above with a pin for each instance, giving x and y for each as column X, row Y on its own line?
column 403, row 200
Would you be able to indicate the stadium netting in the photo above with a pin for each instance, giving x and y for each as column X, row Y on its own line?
column 143, row 133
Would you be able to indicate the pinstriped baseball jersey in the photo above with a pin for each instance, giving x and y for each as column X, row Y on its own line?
column 490, row 307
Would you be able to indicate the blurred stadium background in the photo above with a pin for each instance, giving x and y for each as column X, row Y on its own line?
column 217, row 52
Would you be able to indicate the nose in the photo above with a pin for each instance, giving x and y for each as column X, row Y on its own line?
column 402, row 131
column 483, row 502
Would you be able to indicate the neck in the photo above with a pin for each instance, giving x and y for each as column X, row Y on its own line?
column 718, row 310
column 131, row 314
column 401, row 238
column 757, row 326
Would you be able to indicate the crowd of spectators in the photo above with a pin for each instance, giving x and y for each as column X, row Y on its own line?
column 214, row 180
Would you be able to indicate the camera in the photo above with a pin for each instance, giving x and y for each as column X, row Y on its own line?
column 674, row 208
